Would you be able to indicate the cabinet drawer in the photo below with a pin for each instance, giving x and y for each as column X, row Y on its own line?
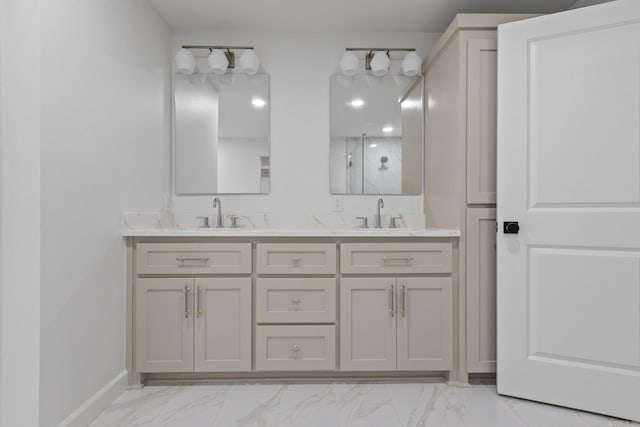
column 394, row 258
column 295, row 348
column 305, row 258
column 193, row 258
column 303, row 300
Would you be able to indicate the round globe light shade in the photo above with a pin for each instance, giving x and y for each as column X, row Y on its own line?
column 248, row 62
column 349, row 63
column 218, row 61
column 411, row 64
column 380, row 63
column 185, row 62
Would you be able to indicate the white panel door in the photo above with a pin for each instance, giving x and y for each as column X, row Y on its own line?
column 222, row 313
column 569, row 173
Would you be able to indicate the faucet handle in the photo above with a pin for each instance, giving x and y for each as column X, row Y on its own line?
column 365, row 221
column 234, row 220
column 205, row 221
column 393, row 223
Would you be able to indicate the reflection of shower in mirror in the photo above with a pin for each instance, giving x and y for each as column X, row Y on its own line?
column 383, row 163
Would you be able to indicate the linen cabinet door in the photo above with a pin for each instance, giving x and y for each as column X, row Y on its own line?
column 222, row 324
column 481, row 290
column 482, row 81
column 367, row 324
column 425, row 323
column 164, row 325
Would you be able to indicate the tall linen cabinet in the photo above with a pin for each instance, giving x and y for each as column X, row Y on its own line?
column 460, row 173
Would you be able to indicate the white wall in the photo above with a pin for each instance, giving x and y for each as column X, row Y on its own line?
column 105, row 149
column 299, row 66
column 20, row 212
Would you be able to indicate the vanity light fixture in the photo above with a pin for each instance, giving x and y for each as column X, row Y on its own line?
column 378, row 60
column 380, row 63
column 411, row 64
column 185, row 62
column 220, row 59
column 387, row 129
column 356, row 103
column 349, row 63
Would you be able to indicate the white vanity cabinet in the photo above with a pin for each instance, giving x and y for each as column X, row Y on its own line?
column 187, row 322
column 187, row 325
column 251, row 307
column 396, row 322
column 295, row 306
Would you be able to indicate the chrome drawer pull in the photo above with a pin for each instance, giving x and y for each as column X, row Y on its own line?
column 186, row 301
column 407, row 260
column 296, row 262
column 295, row 349
column 182, row 260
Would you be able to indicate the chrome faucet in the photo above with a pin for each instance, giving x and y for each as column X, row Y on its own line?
column 218, row 204
column 378, row 218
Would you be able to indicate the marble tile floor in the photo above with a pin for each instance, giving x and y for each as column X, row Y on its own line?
column 339, row 404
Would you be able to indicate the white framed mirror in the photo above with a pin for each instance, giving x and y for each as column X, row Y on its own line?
column 376, row 138
column 221, row 138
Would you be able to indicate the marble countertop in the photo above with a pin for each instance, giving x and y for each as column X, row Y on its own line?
column 166, row 224
column 242, row 232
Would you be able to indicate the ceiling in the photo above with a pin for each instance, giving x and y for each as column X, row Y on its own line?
column 337, row 15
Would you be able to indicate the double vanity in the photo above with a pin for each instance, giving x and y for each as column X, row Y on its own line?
column 252, row 303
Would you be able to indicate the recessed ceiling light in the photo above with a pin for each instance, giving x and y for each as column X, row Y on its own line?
column 258, row 102
column 387, row 129
column 373, row 145
column 357, row 103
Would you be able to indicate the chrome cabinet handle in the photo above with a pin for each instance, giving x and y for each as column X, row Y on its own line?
column 391, row 301
column 199, row 294
column 407, row 260
column 295, row 300
column 296, row 262
column 403, row 292
column 187, row 289
column 182, row 260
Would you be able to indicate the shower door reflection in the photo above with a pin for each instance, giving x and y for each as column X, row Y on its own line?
column 372, row 165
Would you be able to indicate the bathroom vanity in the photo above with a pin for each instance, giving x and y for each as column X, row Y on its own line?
column 206, row 304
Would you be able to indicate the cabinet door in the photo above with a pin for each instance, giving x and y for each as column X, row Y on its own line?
column 482, row 92
column 164, row 325
column 425, row 323
column 481, row 290
column 367, row 324
column 222, row 324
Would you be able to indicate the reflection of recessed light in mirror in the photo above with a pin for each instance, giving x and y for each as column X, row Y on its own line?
column 258, row 102
column 357, row 103
column 387, row 129
column 373, row 145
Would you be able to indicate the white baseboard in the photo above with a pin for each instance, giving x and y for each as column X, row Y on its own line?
column 92, row 407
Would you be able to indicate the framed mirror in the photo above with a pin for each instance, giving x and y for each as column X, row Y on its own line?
column 221, row 139
column 376, row 134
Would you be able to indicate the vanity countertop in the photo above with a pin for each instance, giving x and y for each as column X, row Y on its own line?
column 242, row 232
column 189, row 225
